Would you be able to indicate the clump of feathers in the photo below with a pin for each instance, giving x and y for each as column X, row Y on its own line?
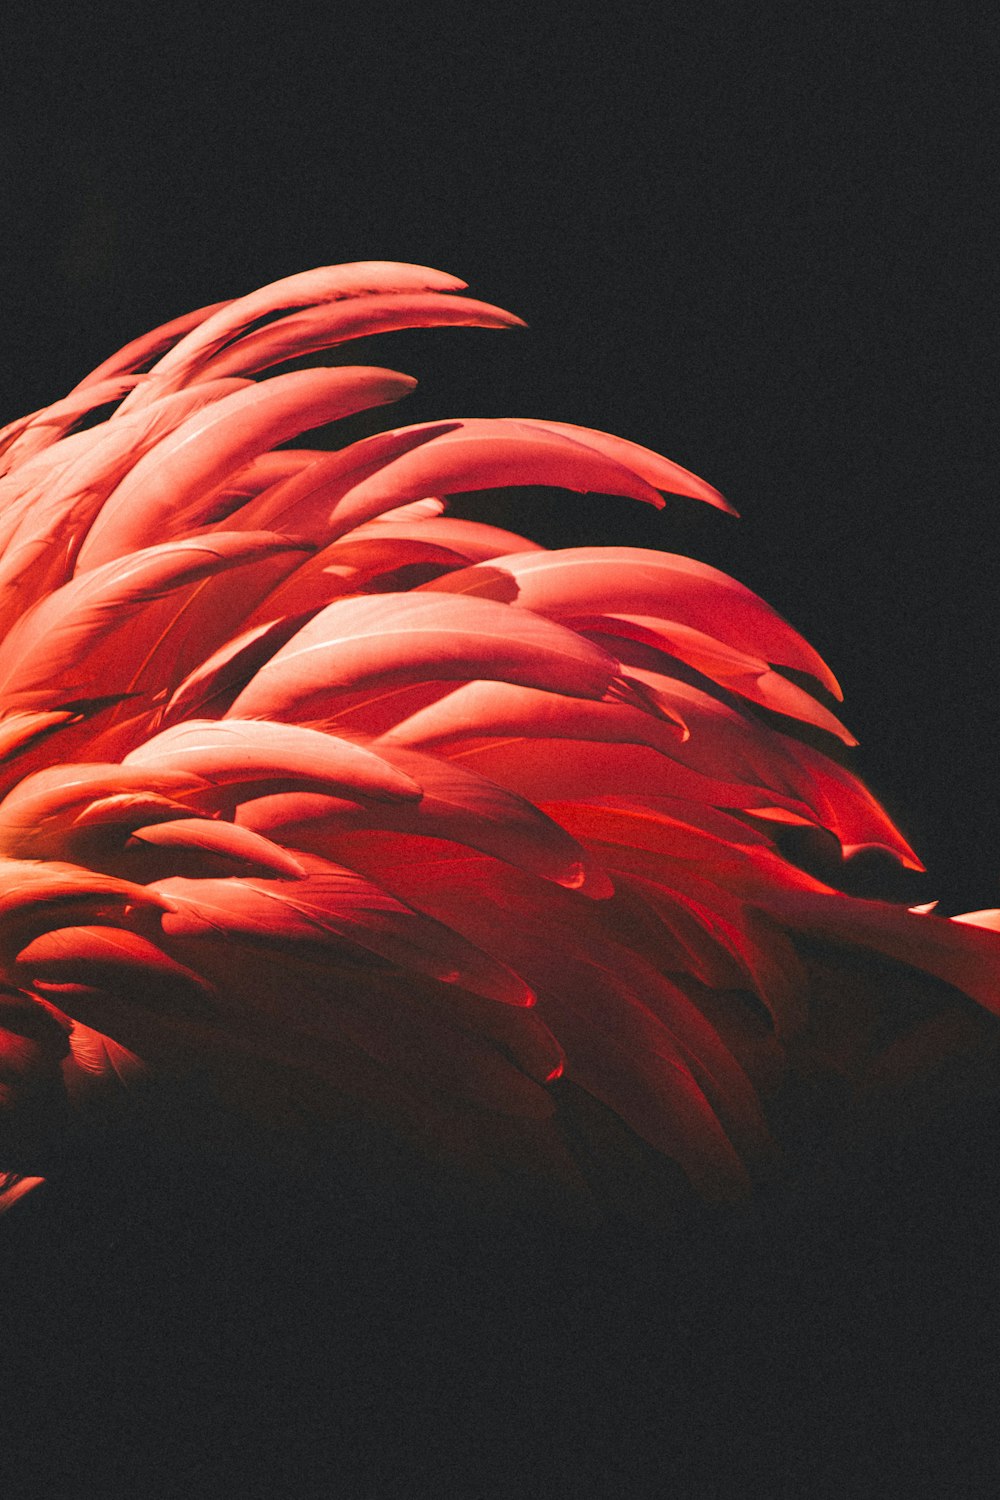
column 370, row 814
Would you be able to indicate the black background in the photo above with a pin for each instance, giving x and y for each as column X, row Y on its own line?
column 760, row 240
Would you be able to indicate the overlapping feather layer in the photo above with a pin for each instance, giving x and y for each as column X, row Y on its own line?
column 304, row 780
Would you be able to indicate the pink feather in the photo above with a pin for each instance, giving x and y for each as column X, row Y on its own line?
column 302, row 776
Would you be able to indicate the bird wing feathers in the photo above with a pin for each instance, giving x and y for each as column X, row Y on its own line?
column 299, row 769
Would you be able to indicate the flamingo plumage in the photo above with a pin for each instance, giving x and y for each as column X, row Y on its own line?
column 309, row 784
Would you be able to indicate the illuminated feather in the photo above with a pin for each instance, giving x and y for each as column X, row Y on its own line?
column 302, row 774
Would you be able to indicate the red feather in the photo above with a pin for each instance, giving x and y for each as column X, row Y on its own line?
column 304, row 777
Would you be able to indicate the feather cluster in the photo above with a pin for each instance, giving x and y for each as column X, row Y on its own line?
column 307, row 783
